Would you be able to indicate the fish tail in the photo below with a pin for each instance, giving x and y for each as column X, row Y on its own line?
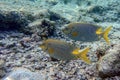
column 83, row 55
column 105, row 34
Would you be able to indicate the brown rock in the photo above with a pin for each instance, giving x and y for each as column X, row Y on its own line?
column 109, row 64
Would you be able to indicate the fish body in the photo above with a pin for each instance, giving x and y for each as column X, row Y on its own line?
column 64, row 51
column 86, row 32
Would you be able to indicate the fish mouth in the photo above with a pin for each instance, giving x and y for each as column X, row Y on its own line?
column 66, row 31
column 43, row 47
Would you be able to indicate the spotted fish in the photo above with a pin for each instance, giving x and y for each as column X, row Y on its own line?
column 62, row 50
column 86, row 32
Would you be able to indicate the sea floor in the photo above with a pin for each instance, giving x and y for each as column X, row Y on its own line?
column 19, row 45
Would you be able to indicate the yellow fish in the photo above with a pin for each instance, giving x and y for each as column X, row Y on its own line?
column 86, row 32
column 64, row 51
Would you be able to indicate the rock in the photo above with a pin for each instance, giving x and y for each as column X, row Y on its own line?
column 2, row 63
column 2, row 73
column 95, row 9
column 109, row 64
column 43, row 27
column 27, row 22
column 24, row 74
column 52, row 2
column 2, row 70
column 11, row 20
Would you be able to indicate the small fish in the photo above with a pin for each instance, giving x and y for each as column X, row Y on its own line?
column 86, row 32
column 64, row 51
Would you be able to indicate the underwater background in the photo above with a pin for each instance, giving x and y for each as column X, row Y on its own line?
column 25, row 24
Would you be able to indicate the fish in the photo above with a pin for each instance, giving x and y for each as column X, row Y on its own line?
column 86, row 32
column 62, row 50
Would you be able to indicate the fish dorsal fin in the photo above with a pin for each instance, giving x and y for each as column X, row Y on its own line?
column 105, row 34
column 82, row 54
column 99, row 31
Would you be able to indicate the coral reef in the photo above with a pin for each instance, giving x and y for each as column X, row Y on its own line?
column 24, row 24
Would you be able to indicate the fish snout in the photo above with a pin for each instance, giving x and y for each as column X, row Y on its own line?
column 43, row 46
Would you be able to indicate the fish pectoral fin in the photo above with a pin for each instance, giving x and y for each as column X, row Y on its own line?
column 99, row 31
column 82, row 54
column 105, row 34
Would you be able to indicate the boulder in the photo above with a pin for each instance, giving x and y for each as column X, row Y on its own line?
column 109, row 64
column 24, row 74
